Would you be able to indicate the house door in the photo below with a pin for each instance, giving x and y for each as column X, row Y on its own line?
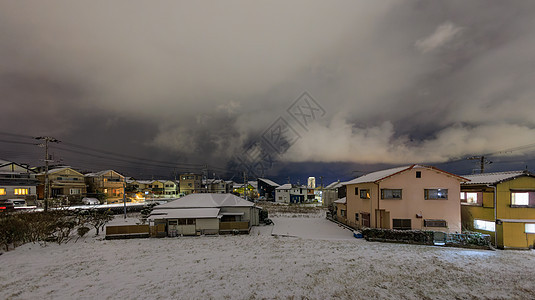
column 384, row 219
column 365, row 219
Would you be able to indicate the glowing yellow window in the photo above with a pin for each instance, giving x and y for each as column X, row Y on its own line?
column 21, row 191
column 2, row 191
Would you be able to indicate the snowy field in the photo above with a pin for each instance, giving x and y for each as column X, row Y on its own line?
column 308, row 258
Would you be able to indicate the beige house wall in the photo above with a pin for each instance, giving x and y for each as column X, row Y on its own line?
column 413, row 202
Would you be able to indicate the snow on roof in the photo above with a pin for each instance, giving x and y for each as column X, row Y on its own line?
column 334, row 185
column 492, row 178
column 272, row 183
column 205, row 200
column 376, row 176
column 59, row 170
column 381, row 175
column 100, row 173
column 194, row 213
column 341, row 201
column 285, row 186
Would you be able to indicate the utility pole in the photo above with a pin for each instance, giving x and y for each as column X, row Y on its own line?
column 321, row 183
column 47, row 140
column 245, row 185
column 482, row 162
column 124, row 197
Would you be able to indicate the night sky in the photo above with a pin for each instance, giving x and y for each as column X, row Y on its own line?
column 332, row 89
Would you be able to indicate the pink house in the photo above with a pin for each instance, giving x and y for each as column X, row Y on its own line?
column 412, row 197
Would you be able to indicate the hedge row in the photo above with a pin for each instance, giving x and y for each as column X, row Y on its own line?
column 404, row 236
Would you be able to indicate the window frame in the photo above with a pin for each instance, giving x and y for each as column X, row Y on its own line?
column 431, row 222
column 438, row 191
column 392, row 194
column 367, row 196
column 531, row 227
column 402, row 225
column 21, row 191
column 484, row 225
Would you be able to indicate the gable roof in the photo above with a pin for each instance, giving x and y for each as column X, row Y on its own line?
column 272, row 183
column 102, row 173
column 384, row 174
column 60, row 169
column 495, row 178
column 334, row 185
column 285, row 186
column 206, row 200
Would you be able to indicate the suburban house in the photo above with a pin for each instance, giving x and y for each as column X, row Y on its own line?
column 170, row 189
column 206, row 213
column 63, row 182
column 291, row 193
column 503, row 205
column 217, row 186
column 190, row 183
column 411, row 197
column 249, row 189
column 17, row 182
column 341, row 210
column 330, row 193
column 107, row 183
column 266, row 188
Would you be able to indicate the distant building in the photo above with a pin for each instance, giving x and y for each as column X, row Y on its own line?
column 311, row 182
column 17, row 182
column 108, row 183
column 64, row 182
column 331, row 193
column 190, row 183
column 266, row 188
column 290, row 193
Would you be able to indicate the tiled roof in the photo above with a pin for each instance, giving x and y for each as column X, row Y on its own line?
column 272, row 183
column 492, row 178
column 206, row 200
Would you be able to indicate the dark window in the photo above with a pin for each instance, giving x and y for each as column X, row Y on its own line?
column 401, row 224
column 418, row 174
column 435, row 223
column 356, row 217
column 364, row 194
column 356, row 191
column 435, row 194
column 391, row 194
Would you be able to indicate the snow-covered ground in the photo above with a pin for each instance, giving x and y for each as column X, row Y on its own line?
column 322, row 261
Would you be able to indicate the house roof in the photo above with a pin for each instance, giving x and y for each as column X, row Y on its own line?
column 384, row 174
column 206, row 200
column 101, row 173
column 341, row 201
column 494, row 178
column 194, row 213
column 272, row 183
column 334, row 185
column 56, row 170
column 285, row 186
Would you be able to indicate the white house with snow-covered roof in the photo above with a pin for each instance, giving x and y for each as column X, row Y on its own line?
column 206, row 213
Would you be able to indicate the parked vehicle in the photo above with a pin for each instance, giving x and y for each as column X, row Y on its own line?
column 6, row 206
column 18, row 202
column 90, row 201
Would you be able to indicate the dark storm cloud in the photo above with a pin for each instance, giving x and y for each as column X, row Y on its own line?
column 400, row 81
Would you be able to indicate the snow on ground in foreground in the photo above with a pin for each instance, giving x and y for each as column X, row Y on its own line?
column 262, row 266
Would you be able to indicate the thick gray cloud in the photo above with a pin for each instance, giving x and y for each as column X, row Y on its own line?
column 400, row 81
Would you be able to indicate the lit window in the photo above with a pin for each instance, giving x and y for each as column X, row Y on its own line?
column 391, row 194
column 435, row 194
column 469, row 197
column 364, row 194
column 484, row 225
column 21, row 191
column 75, row 191
column 2, row 191
column 520, row 198
column 530, row 228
